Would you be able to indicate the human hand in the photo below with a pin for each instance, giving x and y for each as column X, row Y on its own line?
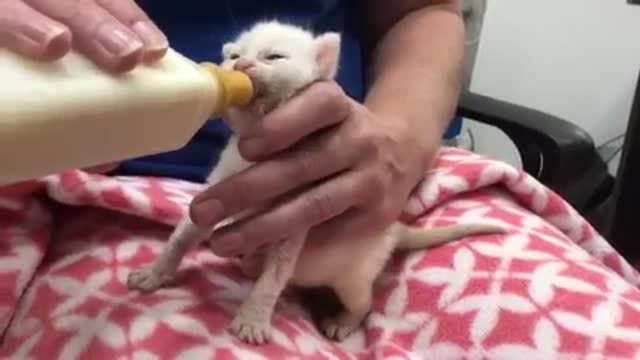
column 102, row 169
column 329, row 164
column 115, row 34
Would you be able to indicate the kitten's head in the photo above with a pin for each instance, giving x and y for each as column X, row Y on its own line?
column 282, row 59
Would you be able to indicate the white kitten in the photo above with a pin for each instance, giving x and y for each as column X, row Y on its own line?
column 281, row 60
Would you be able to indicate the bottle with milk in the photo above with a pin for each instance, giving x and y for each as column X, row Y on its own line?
column 71, row 114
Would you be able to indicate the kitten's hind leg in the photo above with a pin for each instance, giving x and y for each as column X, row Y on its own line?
column 252, row 323
column 356, row 297
column 149, row 278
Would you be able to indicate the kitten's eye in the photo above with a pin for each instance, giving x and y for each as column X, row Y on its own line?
column 234, row 56
column 272, row 57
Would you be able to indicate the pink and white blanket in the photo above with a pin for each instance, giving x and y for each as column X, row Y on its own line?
column 551, row 288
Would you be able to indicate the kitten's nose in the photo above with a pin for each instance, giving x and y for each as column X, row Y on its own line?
column 242, row 65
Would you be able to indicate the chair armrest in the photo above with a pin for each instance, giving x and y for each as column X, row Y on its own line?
column 557, row 152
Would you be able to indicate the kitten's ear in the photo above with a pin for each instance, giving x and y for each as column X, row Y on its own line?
column 327, row 54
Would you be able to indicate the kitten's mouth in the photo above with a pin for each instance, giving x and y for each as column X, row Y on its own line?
column 259, row 89
column 258, row 85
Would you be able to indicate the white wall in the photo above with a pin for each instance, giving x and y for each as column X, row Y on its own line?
column 577, row 59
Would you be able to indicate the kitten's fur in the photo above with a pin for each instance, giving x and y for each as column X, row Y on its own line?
column 284, row 59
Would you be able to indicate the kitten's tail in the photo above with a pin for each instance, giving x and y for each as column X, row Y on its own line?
column 415, row 238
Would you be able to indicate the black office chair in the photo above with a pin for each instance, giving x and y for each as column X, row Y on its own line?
column 564, row 157
column 617, row 212
column 558, row 153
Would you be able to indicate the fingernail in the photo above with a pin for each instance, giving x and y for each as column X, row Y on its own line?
column 116, row 41
column 154, row 40
column 55, row 39
column 43, row 33
column 206, row 212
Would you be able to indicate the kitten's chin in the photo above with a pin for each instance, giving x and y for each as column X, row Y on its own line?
column 257, row 108
column 263, row 99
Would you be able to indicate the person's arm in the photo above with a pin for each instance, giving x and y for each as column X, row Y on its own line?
column 416, row 52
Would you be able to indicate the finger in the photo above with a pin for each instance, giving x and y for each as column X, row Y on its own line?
column 130, row 14
column 361, row 221
column 309, row 209
column 321, row 105
column 31, row 34
column 102, row 169
column 318, row 158
column 96, row 33
column 19, row 190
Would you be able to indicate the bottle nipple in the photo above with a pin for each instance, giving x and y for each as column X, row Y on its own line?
column 236, row 88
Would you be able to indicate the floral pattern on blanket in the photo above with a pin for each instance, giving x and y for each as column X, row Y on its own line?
column 550, row 288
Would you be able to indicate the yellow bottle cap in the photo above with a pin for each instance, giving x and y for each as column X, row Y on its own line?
column 236, row 88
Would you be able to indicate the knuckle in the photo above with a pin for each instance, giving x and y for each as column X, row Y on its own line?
column 257, row 233
column 377, row 184
column 76, row 12
column 127, row 10
column 266, row 228
column 333, row 98
column 383, row 215
column 372, row 143
column 17, row 24
column 304, row 163
column 11, row 13
column 382, row 210
column 363, row 140
column 242, row 192
column 90, row 23
column 233, row 194
column 319, row 208
column 270, row 132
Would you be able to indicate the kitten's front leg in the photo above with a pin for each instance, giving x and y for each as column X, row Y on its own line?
column 252, row 323
column 185, row 236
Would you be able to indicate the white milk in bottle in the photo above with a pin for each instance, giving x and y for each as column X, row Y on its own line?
column 71, row 114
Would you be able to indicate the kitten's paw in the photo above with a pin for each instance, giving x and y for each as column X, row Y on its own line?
column 339, row 327
column 253, row 332
column 147, row 279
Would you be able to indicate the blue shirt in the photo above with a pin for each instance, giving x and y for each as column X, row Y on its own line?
column 199, row 28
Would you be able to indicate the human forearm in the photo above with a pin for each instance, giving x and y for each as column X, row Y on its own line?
column 416, row 68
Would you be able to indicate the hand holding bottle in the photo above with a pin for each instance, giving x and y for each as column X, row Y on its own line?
column 116, row 34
